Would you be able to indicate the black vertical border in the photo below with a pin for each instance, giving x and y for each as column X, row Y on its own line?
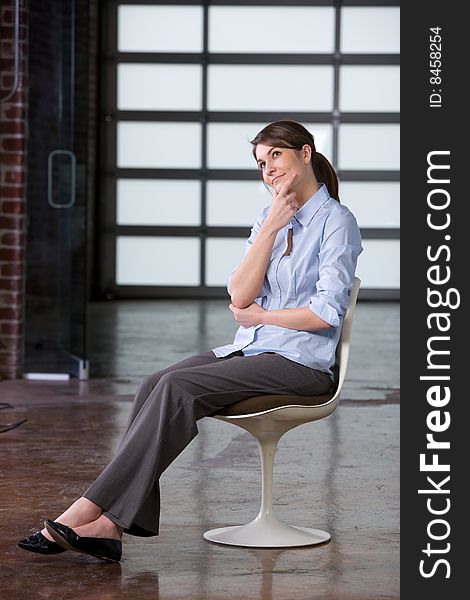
column 426, row 129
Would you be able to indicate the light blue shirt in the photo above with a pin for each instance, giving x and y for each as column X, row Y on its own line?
column 318, row 273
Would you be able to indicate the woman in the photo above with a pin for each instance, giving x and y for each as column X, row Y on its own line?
column 289, row 295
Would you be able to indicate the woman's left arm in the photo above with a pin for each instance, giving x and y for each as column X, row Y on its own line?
column 291, row 318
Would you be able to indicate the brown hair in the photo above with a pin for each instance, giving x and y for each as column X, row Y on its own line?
column 293, row 135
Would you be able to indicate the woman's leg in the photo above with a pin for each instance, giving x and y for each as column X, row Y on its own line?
column 165, row 423
column 148, row 383
column 83, row 511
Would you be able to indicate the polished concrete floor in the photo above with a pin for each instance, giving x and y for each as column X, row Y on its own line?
column 339, row 474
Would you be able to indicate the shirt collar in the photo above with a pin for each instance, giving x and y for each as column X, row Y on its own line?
column 306, row 213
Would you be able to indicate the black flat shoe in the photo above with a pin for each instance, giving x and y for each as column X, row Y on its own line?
column 66, row 537
column 40, row 544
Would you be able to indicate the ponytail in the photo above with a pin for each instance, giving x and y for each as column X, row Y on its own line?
column 325, row 173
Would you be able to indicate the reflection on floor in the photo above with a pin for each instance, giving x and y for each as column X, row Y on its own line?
column 339, row 474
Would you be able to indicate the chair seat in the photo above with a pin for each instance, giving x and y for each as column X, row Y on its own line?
column 260, row 403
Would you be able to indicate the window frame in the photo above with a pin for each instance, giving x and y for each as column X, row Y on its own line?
column 110, row 116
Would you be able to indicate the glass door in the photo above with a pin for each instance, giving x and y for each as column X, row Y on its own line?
column 55, row 345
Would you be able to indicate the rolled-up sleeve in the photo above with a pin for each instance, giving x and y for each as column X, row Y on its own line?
column 339, row 250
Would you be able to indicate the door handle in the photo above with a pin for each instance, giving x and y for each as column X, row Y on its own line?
column 50, row 164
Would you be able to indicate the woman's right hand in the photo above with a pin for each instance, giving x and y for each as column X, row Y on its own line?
column 247, row 280
column 283, row 206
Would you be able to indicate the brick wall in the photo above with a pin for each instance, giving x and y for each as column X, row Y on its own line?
column 13, row 148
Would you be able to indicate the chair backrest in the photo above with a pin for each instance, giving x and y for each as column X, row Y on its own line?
column 344, row 343
column 314, row 412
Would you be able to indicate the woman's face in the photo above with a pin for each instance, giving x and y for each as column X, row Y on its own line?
column 277, row 164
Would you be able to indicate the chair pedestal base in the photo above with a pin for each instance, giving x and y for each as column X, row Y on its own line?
column 267, row 533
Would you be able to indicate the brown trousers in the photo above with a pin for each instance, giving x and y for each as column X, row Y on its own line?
column 163, row 419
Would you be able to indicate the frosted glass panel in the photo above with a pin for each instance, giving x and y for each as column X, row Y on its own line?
column 371, row 147
column 159, row 28
column 159, row 87
column 235, row 203
column 271, row 29
column 370, row 30
column 158, row 202
column 158, row 145
column 229, row 143
column 369, row 89
column 276, row 88
column 148, row 260
column 222, row 256
column 379, row 264
column 374, row 204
